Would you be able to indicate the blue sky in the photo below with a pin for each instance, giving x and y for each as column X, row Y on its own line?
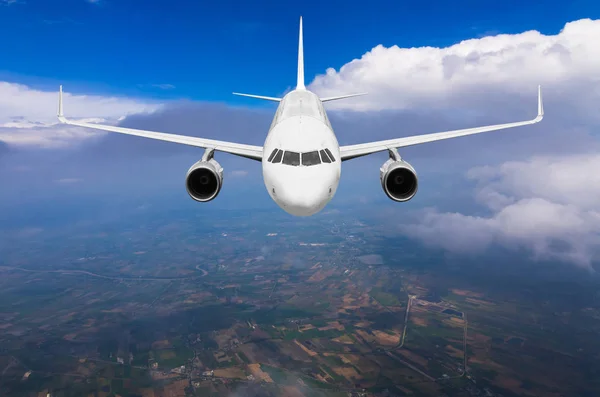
column 207, row 49
column 428, row 67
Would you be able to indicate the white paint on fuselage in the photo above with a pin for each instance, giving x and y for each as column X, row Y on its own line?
column 301, row 125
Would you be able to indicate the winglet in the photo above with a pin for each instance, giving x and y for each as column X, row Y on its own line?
column 540, row 104
column 300, row 81
column 61, row 116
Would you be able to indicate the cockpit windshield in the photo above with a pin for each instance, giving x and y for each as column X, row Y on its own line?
column 325, row 157
column 291, row 158
column 309, row 158
column 278, row 156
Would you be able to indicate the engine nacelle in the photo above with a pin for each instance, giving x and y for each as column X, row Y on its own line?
column 399, row 180
column 204, row 180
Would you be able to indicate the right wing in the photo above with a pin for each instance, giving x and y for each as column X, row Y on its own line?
column 248, row 151
column 353, row 151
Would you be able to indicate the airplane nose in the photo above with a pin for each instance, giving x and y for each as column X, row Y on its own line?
column 303, row 199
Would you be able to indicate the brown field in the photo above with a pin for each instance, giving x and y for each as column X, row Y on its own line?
column 363, row 324
column 291, row 391
column 200, row 295
column 386, row 339
column 481, row 338
column 305, row 327
column 454, row 352
column 157, row 375
column 306, row 349
column 345, row 339
column 349, row 302
column 479, row 302
column 293, row 350
column 332, row 325
column 176, row 389
column 510, row 383
column 347, row 372
column 453, row 321
column 464, row 292
column 365, row 335
column 259, row 373
column 143, row 392
column 415, row 358
column 161, row 344
column 347, row 299
column 420, row 321
column 232, row 373
column 321, row 275
column 364, row 366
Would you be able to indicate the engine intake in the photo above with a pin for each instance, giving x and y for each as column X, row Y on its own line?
column 204, row 180
column 399, row 180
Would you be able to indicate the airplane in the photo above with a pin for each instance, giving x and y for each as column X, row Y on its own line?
column 301, row 158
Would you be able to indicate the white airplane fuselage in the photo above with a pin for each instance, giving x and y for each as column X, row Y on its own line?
column 300, row 125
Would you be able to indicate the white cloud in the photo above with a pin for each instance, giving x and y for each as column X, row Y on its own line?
column 550, row 206
column 28, row 116
column 473, row 72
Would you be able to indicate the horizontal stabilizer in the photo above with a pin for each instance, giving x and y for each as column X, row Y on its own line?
column 335, row 98
column 266, row 98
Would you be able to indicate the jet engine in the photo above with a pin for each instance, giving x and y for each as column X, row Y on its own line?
column 399, row 180
column 204, row 180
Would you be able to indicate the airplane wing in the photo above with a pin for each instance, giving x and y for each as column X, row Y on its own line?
column 353, row 151
column 248, row 151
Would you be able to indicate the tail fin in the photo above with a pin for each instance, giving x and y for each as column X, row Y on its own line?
column 300, row 82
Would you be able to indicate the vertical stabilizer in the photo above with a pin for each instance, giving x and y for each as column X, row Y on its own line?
column 300, row 82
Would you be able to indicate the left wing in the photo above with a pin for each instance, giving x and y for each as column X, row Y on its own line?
column 353, row 151
column 248, row 151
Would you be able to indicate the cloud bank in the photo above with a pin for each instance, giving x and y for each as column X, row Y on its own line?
column 408, row 78
column 547, row 205
column 534, row 195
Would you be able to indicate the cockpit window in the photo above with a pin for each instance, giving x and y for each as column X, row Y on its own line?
column 325, row 157
column 311, row 158
column 272, row 155
column 291, row 158
column 330, row 155
column 278, row 156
